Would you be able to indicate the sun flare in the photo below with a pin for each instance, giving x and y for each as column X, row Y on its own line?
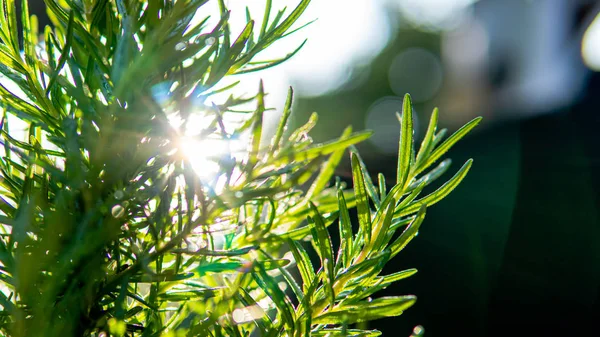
column 206, row 151
column 204, row 155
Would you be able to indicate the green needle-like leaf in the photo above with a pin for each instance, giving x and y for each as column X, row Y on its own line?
column 447, row 144
column 362, row 202
column 281, row 301
column 265, row 21
column 327, row 169
column 389, row 279
column 330, row 332
column 303, row 263
column 439, row 194
column 382, row 223
column 283, row 121
column 367, row 311
column 434, row 174
column 321, row 149
column 405, row 150
column 272, row 63
column 426, row 145
column 11, row 33
column 370, row 187
column 257, row 125
column 382, row 186
column 64, row 54
column 325, row 251
column 346, row 238
column 409, row 233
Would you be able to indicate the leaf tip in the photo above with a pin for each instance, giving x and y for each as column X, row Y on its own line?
column 407, row 99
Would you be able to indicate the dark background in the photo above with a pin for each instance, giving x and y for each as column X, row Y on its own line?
column 515, row 250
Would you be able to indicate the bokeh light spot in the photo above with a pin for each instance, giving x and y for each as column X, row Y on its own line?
column 590, row 46
column 416, row 71
column 117, row 211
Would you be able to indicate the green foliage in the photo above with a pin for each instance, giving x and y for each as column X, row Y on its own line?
column 107, row 228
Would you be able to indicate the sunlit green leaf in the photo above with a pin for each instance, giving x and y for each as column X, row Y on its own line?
column 321, row 149
column 447, row 144
column 324, row 249
column 367, row 311
column 303, row 263
column 331, row 332
column 346, row 237
column 409, row 233
column 281, row 301
column 327, row 169
column 362, row 202
column 426, row 144
column 438, row 194
column 405, row 150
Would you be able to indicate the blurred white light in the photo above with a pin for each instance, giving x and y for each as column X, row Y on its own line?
column 344, row 34
column 416, row 71
column 17, row 127
column 204, row 154
column 247, row 314
column 434, row 14
column 590, row 46
column 466, row 48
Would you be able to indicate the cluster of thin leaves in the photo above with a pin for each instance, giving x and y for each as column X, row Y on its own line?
column 107, row 229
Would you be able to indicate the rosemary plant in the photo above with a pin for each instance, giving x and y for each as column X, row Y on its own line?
column 108, row 229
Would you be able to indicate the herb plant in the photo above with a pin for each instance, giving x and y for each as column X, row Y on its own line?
column 108, row 229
